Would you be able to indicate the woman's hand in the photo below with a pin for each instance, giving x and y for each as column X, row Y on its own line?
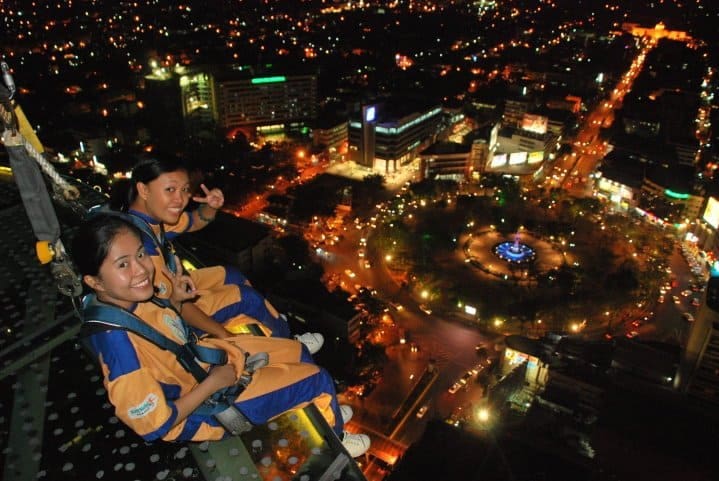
column 223, row 376
column 214, row 198
column 183, row 288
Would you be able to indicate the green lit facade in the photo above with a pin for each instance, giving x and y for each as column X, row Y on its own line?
column 278, row 100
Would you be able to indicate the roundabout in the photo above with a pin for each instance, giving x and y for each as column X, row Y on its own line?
column 519, row 256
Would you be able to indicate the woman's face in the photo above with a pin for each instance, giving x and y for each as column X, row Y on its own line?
column 165, row 198
column 125, row 276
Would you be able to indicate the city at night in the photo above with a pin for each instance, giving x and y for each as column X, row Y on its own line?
column 361, row 240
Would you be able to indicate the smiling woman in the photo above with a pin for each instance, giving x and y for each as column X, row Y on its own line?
column 156, row 197
column 158, row 392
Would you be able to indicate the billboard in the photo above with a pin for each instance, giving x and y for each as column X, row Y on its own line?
column 517, row 158
column 535, row 123
column 711, row 213
column 493, row 137
column 498, row 161
column 535, row 157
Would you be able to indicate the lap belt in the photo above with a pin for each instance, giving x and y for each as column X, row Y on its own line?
column 99, row 316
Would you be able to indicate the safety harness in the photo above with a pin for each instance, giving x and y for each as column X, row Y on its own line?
column 98, row 316
column 164, row 245
column 161, row 243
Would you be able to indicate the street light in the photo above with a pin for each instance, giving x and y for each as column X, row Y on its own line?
column 483, row 415
column 424, row 294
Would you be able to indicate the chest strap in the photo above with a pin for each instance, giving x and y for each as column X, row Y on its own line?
column 99, row 316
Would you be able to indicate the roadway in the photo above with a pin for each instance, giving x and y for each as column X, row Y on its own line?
column 450, row 344
column 572, row 171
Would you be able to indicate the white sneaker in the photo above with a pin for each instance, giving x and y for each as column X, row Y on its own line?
column 312, row 340
column 355, row 444
column 347, row 413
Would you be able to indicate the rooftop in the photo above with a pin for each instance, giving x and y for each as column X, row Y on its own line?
column 56, row 421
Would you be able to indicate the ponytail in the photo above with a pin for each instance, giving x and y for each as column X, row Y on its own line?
column 122, row 195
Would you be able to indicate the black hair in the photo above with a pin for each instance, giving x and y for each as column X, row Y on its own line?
column 124, row 191
column 92, row 240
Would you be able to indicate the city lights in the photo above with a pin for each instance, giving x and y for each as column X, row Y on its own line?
column 501, row 214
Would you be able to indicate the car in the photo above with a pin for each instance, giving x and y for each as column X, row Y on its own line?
column 481, row 350
column 396, row 306
column 422, row 411
column 661, row 299
column 455, row 387
column 637, row 323
column 466, row 377
column 686, row 292
column 696, row 302
column 688, row 317
column 350, row 273
column 425, row 308
column 477, row 369
column 632, row 334
column 676, row 299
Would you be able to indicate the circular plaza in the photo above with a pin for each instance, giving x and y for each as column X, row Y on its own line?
column 515, row 256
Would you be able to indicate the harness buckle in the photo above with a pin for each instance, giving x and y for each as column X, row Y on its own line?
column 233, row 420
column 256, row 361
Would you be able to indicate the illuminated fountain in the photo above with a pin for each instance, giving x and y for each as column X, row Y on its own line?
column 514, row 252
column 505, row 256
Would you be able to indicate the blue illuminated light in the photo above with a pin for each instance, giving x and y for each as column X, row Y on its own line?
column 714, row 271
column 369, row 114
column 514, row 252
column 412, row 123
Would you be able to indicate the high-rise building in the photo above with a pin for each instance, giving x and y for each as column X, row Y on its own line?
column 229, row 98
column 385, row 138
column 280, row 102
column 700, row 367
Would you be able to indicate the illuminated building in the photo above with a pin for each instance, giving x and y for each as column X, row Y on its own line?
column 387, row 137
column 657, row 32
column 570, row 102
column 667, row 194
column 276, row 102
column 663, row 193
column 520, row 151
column 233, row 100
column 620, row 181
column 700, row 374
column 446, row 160
column 704, row 234
column 514, row 111
column 484, row 142
column 331, row 135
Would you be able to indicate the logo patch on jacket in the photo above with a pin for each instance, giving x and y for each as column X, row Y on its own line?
column 144, row 408
column 176, row 327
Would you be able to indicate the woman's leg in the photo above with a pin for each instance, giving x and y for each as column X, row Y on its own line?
column 278, row 388
column 281, row 351
column 226, row 304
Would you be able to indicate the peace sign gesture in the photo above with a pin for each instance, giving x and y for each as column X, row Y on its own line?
column 212, row 198
column 183, row 288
